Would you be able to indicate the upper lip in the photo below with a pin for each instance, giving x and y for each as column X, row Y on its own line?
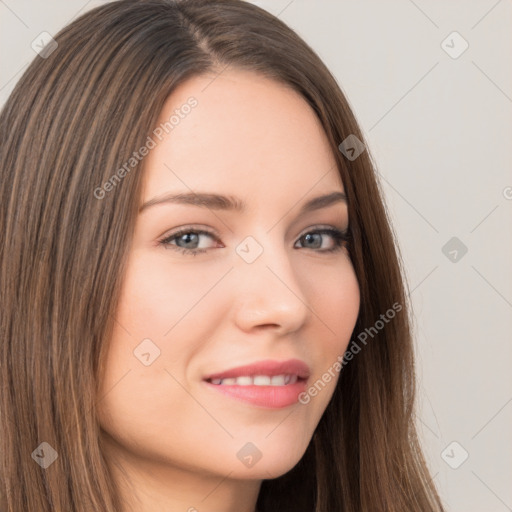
column 266, row 367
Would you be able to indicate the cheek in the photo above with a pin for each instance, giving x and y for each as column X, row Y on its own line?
column 160, row 302
column 157, row 304
column 338, row 301
column 164, row 311
column 160, row 294
column 335, row 299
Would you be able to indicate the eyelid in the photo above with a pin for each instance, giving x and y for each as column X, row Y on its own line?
column 319, row 227
column 193, row 227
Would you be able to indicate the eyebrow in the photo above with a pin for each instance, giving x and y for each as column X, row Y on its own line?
column 231, row 203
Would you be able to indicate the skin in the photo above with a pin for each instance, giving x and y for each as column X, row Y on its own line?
column 171, row 441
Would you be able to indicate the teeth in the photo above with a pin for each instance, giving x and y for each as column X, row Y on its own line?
column 261, row 380
column 278, row 380
column 257, row 380
column 244, row 381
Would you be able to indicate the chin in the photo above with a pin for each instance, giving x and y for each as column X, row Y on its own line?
column 270, row 458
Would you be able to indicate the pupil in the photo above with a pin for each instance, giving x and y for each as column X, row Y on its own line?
column 186, row 237
column 309, row 237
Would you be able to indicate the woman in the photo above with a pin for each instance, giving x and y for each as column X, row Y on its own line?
column 270, row 366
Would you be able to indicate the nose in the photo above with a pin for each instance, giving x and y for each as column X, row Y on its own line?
column 268, row 293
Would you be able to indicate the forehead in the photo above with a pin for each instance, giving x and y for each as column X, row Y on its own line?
column 245, row 135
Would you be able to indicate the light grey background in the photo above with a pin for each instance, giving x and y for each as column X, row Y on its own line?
column 440, row 130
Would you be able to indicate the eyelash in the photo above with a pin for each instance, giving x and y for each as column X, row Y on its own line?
column 340, row 240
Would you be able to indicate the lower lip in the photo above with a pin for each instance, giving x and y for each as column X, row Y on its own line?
column 270, row 397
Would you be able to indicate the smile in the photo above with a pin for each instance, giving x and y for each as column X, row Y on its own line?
column 257, row 380
column 267, row 384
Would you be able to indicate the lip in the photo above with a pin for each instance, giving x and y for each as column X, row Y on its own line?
column 269, row 397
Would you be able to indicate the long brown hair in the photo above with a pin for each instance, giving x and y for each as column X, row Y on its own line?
column 75, row 116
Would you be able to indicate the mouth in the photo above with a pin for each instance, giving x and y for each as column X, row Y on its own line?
column 257, row 380
column 267, row 384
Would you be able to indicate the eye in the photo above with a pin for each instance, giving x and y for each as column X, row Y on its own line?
column 314, row 239
column 187, row 240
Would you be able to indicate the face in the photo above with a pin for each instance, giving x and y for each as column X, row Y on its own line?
column 228, row 314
